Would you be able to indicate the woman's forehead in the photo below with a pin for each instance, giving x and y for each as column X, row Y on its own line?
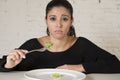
column 59, row 11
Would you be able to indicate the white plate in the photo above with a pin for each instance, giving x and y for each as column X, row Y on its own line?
column 45, row 74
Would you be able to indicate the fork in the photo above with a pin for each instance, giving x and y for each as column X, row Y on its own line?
column 48, row 45
column 39, row 50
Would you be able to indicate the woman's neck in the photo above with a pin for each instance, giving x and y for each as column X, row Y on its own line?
column 60, row 44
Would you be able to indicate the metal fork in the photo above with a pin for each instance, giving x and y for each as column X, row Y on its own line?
column 39, row 50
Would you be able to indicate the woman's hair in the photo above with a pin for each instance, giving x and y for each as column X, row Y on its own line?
column 68, row 6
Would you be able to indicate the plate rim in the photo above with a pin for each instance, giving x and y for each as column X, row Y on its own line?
column 51, row 69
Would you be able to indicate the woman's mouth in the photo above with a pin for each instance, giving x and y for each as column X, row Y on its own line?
column 58, row 31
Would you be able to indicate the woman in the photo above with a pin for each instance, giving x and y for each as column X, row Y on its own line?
column 67, row 51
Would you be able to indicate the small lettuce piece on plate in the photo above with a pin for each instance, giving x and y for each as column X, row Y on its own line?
column 48, row 44
column 56, row 76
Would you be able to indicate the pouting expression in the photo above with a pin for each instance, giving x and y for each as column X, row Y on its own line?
column 58, row 21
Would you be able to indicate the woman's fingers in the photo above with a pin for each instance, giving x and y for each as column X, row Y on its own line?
column 18, row 54
column 15, row 57
column 78, row 67
column 12, row 61
column 63, row 67
column 11, row 57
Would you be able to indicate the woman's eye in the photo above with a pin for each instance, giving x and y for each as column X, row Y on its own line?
column 52, row 19
column 65, row 19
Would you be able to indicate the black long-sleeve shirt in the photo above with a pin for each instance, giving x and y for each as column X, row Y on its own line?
column 93, row 58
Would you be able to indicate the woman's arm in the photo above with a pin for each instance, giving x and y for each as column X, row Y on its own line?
column 97, row 60
column 13, row 59
column 72, row 67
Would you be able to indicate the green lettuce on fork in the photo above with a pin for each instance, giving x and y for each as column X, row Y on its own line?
column 48, row 44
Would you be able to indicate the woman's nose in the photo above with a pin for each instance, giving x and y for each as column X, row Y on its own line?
column 59, row 23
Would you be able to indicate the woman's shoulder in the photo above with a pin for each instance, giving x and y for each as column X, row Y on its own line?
column 31, row 40
column 41, row 41
column 32, row 43
column 36, row 39
column 83, row 38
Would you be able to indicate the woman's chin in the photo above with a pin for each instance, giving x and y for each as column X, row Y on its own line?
column 59, row 37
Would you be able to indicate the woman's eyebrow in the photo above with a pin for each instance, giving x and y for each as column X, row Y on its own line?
column 66, row 15
column 51, row 15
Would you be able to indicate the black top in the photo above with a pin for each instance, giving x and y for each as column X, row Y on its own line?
column 83, row 51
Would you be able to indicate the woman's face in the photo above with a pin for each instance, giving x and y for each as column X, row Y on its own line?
column 58, row 22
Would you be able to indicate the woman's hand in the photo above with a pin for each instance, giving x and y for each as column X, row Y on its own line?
column 72, row 67
column 15, row 57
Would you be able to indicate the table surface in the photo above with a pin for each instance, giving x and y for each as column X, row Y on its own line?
column 19, row 75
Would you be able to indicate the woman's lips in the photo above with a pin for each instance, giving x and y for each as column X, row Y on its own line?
column 58, row 31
